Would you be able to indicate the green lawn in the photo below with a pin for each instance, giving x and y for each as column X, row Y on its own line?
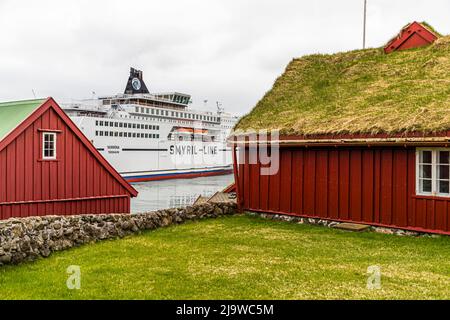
column 240, row 257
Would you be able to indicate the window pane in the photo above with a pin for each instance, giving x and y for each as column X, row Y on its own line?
column 425, row 157
column 425, row 171
column 443, row 172
column 443, row 186
column 444, row 157
column 425, row 185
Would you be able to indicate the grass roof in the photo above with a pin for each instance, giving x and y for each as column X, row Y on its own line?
column 13, row 113
column 431, row 28
column 362, row 91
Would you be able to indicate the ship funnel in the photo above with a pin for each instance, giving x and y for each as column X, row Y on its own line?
column 136, row 84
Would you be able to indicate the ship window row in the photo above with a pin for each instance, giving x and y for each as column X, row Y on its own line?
column 183, row 115
column 126, row 134
column 125, row 125
column 172, row 137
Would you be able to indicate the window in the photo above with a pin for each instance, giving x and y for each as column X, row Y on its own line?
column 49, row 146
column 433, row 176
column 443, row 179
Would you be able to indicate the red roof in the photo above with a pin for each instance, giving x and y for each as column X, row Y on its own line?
column 414, row 35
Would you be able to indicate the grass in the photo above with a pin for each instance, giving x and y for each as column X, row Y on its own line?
column 240, row 257
column 362, row 91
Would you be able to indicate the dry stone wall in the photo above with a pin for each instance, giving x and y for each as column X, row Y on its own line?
column 26, row 239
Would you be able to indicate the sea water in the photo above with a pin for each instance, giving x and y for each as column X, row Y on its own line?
column 155, row 195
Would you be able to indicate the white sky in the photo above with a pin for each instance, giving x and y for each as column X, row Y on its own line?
column 221, row 50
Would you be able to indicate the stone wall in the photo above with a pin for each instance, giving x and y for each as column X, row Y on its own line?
column 332, row 224
column 26, row 239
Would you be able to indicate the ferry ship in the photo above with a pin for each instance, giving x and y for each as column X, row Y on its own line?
column 155, row 136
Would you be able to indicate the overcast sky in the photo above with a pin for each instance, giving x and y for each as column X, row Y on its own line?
column 221, row 50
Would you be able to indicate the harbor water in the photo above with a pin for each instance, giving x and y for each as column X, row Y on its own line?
column 155, row 195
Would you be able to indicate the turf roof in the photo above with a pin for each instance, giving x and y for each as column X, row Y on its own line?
column 431, row 28
column 362, row 91
column 14, row 113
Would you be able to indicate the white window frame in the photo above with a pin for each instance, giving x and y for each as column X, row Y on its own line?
column 434, row 179
column 45, row 134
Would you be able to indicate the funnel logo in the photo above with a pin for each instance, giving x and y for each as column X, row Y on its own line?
column 136, row 83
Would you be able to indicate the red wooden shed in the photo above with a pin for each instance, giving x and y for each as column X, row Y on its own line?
column 413, row 35
column 47, row 166
column 363, row 137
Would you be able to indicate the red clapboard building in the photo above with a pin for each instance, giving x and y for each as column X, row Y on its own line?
column 364, row 138
column 47, row 166
column 413, row 35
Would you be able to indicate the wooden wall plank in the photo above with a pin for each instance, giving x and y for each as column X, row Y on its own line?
column 321, row 187
column 344, row 184
column 386, row 186
column 286, row 181
column 367, row 202
column 297, row 182
column 411, row 189
column 355, row 209
column 309, row 189
column 400, row 188
column 333, row 184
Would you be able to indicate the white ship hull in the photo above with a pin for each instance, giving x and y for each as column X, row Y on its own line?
column 146, row 159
